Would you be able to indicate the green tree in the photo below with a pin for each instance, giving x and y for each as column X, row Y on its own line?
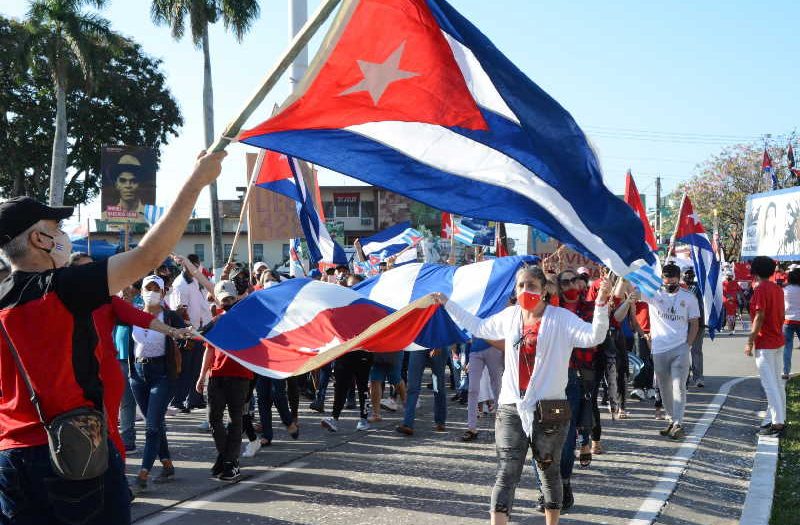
column 722, row 183
column 237, row 16
column 68, row 39
column 130, row 104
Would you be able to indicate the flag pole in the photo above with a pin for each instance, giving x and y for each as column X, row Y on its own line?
column 671, row 249
column 296, row 46
column 452, row 258
column 88, row 238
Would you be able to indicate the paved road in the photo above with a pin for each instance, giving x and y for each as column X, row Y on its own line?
column 380, row 477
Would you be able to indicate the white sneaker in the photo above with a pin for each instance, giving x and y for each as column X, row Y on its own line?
column 651, row 393
column 389, row 404
column 251, row 448
column 329, row 423
column 363, row 424
column 638, row 393
column 419, row 403
column 204, row 426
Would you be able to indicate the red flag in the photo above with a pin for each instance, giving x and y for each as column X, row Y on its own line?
column 688, row 221
column 635, row 201
column 766, row 163
column 500, row 244
column 447, row 225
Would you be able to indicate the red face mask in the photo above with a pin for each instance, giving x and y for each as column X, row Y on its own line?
column 572, row 294
column 554, row 300
column 529, row 301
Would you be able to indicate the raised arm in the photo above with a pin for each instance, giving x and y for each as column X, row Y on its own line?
column 125, row 268
column 492, row 328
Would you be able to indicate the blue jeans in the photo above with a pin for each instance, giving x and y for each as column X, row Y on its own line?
column 153, row 389
column 127, row 411
column 31, row 493
column 272, row 391
column 324, row 378
column 417, row 361
column 789, row 331
column 191, row 362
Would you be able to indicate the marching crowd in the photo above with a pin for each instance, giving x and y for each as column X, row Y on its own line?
column 84, row 344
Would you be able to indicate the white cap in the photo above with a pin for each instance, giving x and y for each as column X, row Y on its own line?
column 153, row 279
column 260, row 264
column 583, row 270
column 225, row 289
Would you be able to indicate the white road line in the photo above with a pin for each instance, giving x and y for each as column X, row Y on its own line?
column 186, row 507
column 666, row 483
column 758, row 504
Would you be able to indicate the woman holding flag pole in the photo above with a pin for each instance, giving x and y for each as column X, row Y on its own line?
column 533, row 411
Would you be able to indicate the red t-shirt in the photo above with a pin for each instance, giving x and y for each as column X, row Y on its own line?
column 49, row 318
column 731, row 306
column 581, row 357
column 118, row 311
column 527, row 354
column 768, row 298
column 731, row 289
column 225, row 366
column 643, row 316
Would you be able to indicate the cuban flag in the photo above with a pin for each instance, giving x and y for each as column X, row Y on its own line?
column 301, row 324
column 690, row 231
column 393, row 241
column 295, row 256
column 152, row 213
column 463, row 233
column 282, row 174
column 410, row 96
column 768, row 170
column 482, row 288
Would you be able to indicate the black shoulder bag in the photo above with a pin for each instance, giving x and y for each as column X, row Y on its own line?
column 78, row 439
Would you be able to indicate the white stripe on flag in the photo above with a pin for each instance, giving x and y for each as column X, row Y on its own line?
column 394, row 288
column 469, row 285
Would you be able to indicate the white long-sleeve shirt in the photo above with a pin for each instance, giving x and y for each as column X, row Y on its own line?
column 560, row 331
column 193, row 297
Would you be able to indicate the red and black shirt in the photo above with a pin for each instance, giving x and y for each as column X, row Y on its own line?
column 48, row 317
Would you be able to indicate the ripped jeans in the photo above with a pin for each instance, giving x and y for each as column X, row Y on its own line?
column 512, row 446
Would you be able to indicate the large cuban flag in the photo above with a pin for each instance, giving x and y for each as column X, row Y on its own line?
column 482, row 288
column 706, row 266
column 282, row 174
column 301, row 324
column 410, row 96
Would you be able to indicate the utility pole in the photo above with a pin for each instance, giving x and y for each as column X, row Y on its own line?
column 298, row 14
column 658, row 208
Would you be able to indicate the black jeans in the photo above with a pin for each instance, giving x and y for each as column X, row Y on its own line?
column 230, row 393
column 352, row 365
column 31, row 493
column 191, row 362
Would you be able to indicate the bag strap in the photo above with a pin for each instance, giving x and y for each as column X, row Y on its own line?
column 18, row 362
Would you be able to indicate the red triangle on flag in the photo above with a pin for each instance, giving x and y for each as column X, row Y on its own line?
column 274, row 167
column 388, row 62
column 635, row 201
column 688, row 221
column 766, row 162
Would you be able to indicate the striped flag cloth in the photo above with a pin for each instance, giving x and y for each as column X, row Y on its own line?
column 482, row 288
column 295, row 256
column 301, row 324
column 464, row 234
column 152, row 213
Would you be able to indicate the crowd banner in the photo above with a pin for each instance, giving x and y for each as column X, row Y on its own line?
column 772, row 225
column 128, row 184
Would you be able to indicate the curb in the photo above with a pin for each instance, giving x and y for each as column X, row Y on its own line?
column 758, row 503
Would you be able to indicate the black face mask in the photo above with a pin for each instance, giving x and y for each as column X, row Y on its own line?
column 671, row 288
column 688, row 280
column 241, row 285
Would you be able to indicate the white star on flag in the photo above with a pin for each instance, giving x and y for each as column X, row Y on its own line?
column 694, row 217
column 378, row 75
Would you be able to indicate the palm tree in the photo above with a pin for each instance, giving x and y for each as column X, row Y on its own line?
column 238, row 16
column 72, row 39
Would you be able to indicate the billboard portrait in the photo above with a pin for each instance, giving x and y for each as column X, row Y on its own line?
column 772, row 225
column 129, row 182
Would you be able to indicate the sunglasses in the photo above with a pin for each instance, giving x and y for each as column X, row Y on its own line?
column 565, row 282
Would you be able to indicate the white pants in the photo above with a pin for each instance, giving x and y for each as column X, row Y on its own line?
column 769, row 366
column 491, row 360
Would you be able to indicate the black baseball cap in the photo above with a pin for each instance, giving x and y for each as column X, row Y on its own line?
column 20, row 213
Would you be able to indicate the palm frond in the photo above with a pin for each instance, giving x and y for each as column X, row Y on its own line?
column 239, row 15
column 172, row 13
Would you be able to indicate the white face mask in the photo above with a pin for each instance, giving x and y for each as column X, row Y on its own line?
column 60, row 250
column 151, row 298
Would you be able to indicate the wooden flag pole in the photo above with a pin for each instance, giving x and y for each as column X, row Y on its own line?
column 300, row 40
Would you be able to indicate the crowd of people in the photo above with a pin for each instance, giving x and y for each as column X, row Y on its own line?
column 121, row 336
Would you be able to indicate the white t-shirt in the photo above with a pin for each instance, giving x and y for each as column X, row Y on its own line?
column 669, row 318
column 791, row 302
column 147, row 342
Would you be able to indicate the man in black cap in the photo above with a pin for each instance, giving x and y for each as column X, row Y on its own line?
column 46, row 312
